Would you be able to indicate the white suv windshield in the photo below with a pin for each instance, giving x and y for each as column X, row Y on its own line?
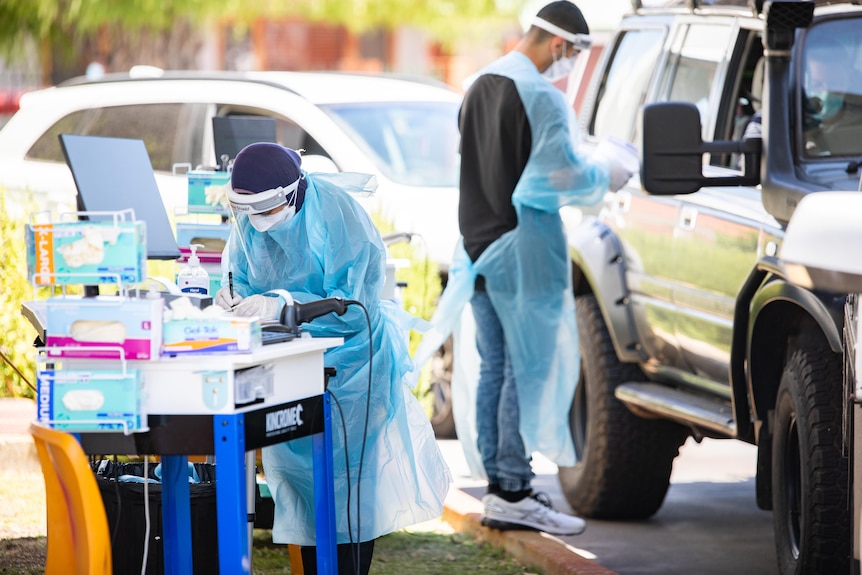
column 832, row 89
column 412, row 143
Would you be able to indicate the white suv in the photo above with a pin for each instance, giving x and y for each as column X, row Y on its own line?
column 403, row 131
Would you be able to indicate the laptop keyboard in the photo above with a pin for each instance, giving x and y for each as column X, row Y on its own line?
column 269, row 337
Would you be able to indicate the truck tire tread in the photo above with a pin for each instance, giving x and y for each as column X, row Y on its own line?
column 625, row 461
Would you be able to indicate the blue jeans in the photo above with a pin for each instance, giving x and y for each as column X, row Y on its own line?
column 506, row 461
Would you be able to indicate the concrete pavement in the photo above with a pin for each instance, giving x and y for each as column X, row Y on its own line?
column 462, row 511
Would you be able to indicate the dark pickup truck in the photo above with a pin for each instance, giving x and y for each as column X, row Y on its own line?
column 689, row 323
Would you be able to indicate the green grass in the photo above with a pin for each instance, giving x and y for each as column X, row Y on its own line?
column 430, row 549
column 432, row 553
column 417, row 553
column 435, row 552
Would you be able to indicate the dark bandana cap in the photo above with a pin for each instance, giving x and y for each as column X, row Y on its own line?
column 266, row 166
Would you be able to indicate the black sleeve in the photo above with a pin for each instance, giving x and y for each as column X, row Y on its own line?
column 495, row 146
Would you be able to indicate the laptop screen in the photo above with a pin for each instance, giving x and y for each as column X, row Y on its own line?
column 114, row 174
column 233, row 133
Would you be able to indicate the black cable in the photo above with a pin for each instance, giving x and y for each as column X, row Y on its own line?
column 116, row 473
column 357, row 543
column 346, row 460
column 18, row 371
column 364, row 437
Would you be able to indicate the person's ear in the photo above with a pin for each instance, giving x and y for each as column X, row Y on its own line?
column 557, row 45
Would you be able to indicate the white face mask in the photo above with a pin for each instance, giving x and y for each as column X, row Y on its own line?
column 274, row 221
column 561, row 67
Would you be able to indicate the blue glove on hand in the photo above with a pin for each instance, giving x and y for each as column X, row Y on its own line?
column 264, row 307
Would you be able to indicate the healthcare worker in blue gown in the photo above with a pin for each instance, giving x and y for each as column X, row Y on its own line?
column 305, row 234
column 519, row 166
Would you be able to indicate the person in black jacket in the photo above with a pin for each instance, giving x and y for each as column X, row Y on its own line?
column 519, row 165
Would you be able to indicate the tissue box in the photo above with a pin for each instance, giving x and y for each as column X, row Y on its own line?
column 90, row 400
column 212, row 236
column 104, row 326
column 227, row 334
column 199, row 182
column 86, row 252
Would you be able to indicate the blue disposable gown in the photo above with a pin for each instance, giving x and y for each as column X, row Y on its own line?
column 528, row 272
column 330, row 248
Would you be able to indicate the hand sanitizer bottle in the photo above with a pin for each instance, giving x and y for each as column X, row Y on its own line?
column 193, row 278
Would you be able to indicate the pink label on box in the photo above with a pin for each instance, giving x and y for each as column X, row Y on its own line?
column 204, row 256
column 133, row 348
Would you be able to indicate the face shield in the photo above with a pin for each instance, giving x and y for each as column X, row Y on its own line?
column 249, row 203
column 580, row 42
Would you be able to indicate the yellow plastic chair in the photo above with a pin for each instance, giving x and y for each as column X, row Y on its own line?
column 79, row 541
column 295, row 560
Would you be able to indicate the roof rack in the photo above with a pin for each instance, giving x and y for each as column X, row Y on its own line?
column 755, row 5
column 693, row 5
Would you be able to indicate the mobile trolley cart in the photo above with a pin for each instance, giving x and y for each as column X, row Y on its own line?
column 224, row 404
column 202, row 405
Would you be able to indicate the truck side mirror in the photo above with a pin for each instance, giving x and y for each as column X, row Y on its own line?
column 672, row 149
column 673, row 152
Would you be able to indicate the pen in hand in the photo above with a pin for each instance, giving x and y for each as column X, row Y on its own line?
column 230, row 287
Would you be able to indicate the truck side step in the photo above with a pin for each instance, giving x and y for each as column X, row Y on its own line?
column 677, row 405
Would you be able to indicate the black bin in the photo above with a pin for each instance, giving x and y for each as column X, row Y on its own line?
column 124, row 506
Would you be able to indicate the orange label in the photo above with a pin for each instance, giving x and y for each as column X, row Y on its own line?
column 44, row 244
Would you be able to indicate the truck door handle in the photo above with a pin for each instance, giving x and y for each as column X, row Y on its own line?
column 688, row 218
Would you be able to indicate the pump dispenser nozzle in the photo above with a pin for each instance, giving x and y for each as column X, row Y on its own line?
column 194, row 260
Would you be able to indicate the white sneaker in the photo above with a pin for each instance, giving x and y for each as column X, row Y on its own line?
column 534, row 512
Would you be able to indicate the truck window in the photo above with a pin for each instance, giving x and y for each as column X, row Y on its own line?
column 739, row 116
column 831, row 89
column 693, row 66
column 624, row 85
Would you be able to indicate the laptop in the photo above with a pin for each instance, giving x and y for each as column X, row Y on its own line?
column 233, row 133
column 114, row 174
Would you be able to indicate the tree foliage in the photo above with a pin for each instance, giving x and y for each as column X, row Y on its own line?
column 57, row 21
column 16, row 343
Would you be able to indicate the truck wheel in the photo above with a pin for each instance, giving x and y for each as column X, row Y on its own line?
column 442, row 416
column 809, row 472
column 624, row 461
